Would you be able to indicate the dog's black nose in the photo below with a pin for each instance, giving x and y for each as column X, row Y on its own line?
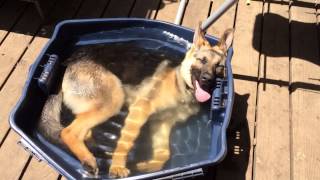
column 205, row 77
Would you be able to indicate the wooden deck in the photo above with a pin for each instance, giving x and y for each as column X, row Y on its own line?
column 274, row 131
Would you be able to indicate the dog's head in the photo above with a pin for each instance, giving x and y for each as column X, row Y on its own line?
column 204, row 62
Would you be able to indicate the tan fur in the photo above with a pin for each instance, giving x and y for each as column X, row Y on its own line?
column 95, row 94
column 89, row 111
column 150, row 100
column 168, row 95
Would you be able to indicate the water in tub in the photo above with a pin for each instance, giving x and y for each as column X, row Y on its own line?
column 133, row 55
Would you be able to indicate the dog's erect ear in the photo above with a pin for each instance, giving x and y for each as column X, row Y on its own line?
column 199, row 38
column 226, row 39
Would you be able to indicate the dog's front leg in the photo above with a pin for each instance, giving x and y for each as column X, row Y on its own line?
column 160, row 145
column 79, row 130
column 139, row 112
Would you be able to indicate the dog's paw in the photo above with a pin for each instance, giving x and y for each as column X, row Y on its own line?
column 142, row 166
column 118, row 171
column 90, row 165
column 149, row 166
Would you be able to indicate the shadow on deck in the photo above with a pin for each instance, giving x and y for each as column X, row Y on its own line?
column 11, row 12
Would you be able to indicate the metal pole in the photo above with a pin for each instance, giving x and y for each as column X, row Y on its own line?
column 219, row 12
column 182, row 7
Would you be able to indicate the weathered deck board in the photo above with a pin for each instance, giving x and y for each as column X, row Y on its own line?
column 118, row 8
column 63, row 10
column 226, row 21
column 16, row 43
column 39, row 171
column 10, row 10
column 196, row 11
column 305, row 54
column 145, row 9
column 305, row 74
column 168, row 10
column 246, row 58
column 13, row 89
column 91, row 9
column 305, row 141
column 13, row 158
column 11, row 50
column 272, row 155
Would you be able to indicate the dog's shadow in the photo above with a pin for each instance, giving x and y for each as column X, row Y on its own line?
column 235, row 164
column 238, row 136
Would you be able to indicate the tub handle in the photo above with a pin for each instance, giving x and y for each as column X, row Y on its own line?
column 27, row 147
column 48, row 73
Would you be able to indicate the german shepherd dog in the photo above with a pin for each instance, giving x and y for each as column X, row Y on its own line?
column 94, row 94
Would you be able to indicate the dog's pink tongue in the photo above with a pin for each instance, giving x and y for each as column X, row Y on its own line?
column 201, row 95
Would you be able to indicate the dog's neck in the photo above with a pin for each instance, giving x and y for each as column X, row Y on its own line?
column 185, row 90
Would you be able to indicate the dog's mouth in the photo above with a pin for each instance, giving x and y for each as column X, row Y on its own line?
column 202, row 88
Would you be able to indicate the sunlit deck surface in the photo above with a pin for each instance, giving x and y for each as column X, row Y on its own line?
column 274, row 130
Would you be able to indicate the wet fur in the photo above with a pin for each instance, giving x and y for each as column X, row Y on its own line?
column 94, row 94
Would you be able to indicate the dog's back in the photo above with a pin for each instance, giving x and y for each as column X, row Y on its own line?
column 131, row 64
